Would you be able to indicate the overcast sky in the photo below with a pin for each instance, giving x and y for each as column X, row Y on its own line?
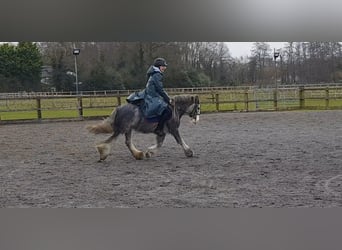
column 238, row 49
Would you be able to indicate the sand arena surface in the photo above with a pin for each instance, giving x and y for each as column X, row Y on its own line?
column 266, row 159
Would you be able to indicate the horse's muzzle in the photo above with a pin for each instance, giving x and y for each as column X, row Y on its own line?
column 195, row 119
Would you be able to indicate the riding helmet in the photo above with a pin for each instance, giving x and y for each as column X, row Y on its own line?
column 159, row 62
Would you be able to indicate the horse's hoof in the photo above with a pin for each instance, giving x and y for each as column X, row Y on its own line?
column 104, row 150
column 139, row 156
column 189, row 153
column 148, row 154
column 103, row 157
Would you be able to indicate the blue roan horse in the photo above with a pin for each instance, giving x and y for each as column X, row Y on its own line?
column 128, row 117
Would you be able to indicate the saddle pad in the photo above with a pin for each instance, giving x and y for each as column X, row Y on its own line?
column 153, row 119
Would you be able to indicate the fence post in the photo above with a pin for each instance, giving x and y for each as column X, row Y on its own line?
column 301, row 98
column 39, row 109
column 80, row 107
column 275, row 99
column 217, row 102
column 327, row 98
column 119, row 100
column 246, row 100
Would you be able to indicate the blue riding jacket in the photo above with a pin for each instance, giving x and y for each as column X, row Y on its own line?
column 155, row 100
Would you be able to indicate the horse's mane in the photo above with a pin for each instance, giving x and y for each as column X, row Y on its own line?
column 184, row 99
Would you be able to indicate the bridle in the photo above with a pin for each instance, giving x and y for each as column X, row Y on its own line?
column 196, row 111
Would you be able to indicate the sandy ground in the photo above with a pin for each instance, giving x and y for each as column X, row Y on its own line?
column 266, row 159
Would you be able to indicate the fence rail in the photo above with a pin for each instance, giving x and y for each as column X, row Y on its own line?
column 41, row 106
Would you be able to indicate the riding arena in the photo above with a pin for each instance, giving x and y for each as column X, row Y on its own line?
column 239, row 159
column 232, row 157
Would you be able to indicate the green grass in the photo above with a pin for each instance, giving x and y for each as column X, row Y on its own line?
column 21, row 109
column 19, row 115
column 97, row 112
column 15, row 105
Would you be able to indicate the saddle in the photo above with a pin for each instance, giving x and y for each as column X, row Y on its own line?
column 153, row 119
column 137, row 99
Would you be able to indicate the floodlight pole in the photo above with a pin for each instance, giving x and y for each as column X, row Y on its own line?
column 276, row 55
column 76, row 52
column 76, row 74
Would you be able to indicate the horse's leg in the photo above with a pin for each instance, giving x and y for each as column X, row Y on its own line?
column 137, row 154
column 188, row 152
column 104, row 147
column 153, row 149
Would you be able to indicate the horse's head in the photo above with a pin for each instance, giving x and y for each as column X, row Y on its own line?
column 195, row 109
column 188, row 104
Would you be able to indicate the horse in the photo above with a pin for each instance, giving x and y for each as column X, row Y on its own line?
column 128, row 117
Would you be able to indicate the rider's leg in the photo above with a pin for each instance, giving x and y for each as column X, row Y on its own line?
column 166, row 115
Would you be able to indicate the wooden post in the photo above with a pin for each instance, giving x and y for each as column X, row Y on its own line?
column 246, row 101
column 217, row 102
column 275, row 99
column 80, row 107
column 39, row 109
column 301, row 98
column 119, row 101
column 327, row 98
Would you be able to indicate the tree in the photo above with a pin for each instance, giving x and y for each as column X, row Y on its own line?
column 123, row 65
column 29, row 65
column 8, row 60
column 61, row 80
column 21, row 66
column 261, row 61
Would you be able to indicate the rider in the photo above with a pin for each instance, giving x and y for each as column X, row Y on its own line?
column 156, row 99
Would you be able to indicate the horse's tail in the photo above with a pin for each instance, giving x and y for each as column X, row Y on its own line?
column 105, row 127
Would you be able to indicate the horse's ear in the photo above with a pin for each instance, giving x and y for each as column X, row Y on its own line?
column 196, row 99
column 192, row 99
